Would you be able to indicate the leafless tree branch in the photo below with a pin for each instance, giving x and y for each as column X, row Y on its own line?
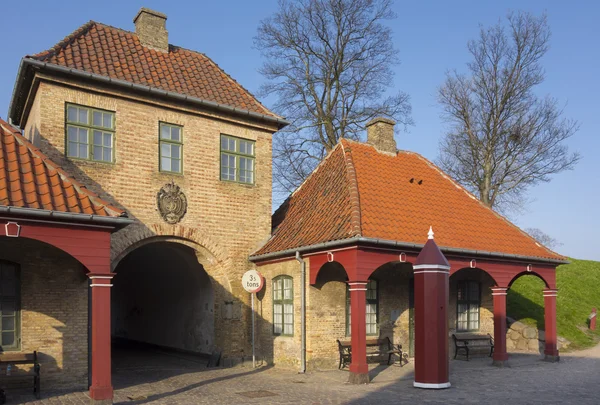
column 502, row 138
column 329, row 63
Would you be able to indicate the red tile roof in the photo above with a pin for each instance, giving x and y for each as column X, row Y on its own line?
column 118, row 54
column 28, row 179
column 358, row 191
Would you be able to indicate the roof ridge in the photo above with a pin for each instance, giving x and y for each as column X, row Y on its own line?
column 63, row 175
column 356, row 218
column 457, row 185
column 64, row 42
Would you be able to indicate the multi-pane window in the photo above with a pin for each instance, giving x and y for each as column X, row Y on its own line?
column 372, row 309
column 90, row 133
column 283, row 306
column 171, row 148
column 467, row 306
column 9, row 306
column 237, row 159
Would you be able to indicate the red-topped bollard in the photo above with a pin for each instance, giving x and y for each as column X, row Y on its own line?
column 431, row 271
column 593, row 319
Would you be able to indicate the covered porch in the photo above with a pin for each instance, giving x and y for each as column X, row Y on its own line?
column 390, row 269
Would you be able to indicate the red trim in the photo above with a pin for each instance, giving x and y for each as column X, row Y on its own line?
column 499, row 298
column 551, row 348
column 91, row 247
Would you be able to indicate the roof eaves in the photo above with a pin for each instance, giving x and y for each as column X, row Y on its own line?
column 80, row 188
column 404, row 245
column 152, row 90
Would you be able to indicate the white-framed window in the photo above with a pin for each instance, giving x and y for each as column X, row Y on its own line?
column 372, row 309
column 283, row 306
column 468, row 301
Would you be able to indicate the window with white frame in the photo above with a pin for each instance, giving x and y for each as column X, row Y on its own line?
column 372, row 309
column 283, row 306
column 468, row 301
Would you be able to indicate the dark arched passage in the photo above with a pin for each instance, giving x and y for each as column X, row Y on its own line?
column 163, row 296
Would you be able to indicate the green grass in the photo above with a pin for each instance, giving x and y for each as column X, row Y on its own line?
column 579, row 292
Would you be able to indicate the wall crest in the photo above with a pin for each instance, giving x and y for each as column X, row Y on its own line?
column 172, row 204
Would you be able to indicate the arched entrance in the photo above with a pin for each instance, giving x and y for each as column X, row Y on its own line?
column 162, row 296
column 471, row 308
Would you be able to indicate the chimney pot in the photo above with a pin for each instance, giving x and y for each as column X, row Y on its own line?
column 150, row 27
column 380, row 134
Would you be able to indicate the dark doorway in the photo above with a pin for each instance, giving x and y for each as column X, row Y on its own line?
column 163, row 297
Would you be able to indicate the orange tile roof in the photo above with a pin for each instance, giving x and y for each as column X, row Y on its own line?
column 118, row 54
column 28, row 179
column 358, row 191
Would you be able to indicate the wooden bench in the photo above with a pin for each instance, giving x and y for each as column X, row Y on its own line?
column 379, row 347
column 13, row 359
column 467, row 342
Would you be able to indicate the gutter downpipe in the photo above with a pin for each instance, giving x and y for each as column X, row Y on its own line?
column 303, row 312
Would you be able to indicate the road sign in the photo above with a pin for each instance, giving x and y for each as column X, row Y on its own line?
column 252, row 281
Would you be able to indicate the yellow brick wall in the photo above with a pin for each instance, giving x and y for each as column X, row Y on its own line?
column 54, row 310
column 326, row 311
column 225, row 222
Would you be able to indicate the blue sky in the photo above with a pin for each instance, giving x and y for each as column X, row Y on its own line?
column 431, row 37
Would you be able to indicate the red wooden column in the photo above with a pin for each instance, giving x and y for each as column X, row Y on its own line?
column 551, row 350
column 101, row 390
column 500, row 354
column 359, row 370
column 431, row 317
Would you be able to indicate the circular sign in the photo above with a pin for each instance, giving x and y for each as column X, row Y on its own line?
column 252, row 281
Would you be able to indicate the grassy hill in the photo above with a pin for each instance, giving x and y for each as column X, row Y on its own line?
column 579, row 292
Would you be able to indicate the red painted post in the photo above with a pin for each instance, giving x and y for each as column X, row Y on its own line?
column 101, row 390
column 359, row 370
column 431, row 271
column 500, row 354
column 593, row 319
column 551, row 350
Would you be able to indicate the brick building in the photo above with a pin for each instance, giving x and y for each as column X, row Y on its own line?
column 162, row 134
column 358, row 224
column 136, row 183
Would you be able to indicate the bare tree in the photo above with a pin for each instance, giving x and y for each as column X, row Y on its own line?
column 502, row 137
column 328, row 63
column 543, row 238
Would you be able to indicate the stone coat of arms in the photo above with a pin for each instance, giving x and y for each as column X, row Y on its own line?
column 172, row 204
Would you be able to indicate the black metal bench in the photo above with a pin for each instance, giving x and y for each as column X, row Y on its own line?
column 380, row 347
column 467, row 342
column 12, row 359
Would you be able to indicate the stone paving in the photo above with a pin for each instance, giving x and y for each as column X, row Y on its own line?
column 167, row 379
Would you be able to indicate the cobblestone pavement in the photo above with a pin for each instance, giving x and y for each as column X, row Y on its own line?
column 168, row 379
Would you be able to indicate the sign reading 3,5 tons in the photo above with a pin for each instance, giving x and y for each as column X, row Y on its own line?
column 252, row 281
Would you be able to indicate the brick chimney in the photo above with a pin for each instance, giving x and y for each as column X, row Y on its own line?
column 380, row 133
column 150, row 27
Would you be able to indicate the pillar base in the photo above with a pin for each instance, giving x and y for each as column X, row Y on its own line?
column 500, row 363
column 552, row 358
column 358, row 378
column 431, row 386
column 101, row 395
column 101, row 401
